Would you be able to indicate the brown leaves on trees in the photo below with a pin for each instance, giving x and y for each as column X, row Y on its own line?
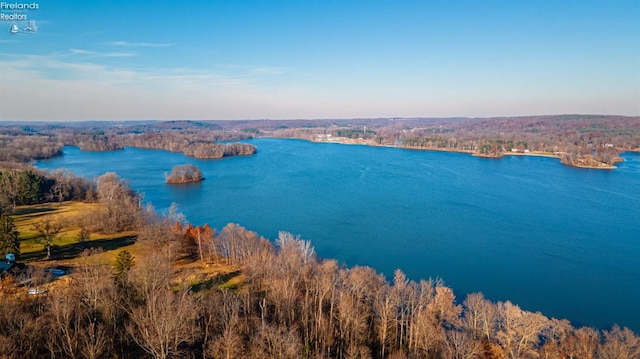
column 199, row 242
column 186, row 173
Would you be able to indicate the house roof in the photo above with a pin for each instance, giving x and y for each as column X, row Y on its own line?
column 5, row 266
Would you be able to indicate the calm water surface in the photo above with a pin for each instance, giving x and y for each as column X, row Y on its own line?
column 545, row 236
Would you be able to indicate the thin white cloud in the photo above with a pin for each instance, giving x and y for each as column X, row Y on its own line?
column 138, row 44
column 100, row 54
column 251, row 71
column 267, row 70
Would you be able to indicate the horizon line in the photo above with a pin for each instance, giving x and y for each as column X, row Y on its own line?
column 396, row 118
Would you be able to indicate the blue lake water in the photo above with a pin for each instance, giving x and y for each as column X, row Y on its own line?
column 548, row 237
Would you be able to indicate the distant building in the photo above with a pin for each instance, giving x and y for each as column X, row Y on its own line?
column 5, row 266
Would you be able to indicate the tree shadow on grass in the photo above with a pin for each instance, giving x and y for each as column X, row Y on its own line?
column 220, row 281
column 73, row 250
column 34, row 210
column 33, row 256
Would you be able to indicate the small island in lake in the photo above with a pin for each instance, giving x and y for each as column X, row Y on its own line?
column 184, row 174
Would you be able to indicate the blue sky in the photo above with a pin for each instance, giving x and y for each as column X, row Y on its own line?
column 133, row 60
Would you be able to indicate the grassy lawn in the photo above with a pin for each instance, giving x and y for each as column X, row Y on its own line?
column 67, row 246
column 66, row 249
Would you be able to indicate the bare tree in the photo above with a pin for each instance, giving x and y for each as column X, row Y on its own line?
column 47, row 232
column 386, row 311
column 403, row 294
column 479, row 316
column 294, row 246
column 276, row 342
column 236, row 243
column 519, row 330
column 164, row 323
column 10, row 185
column 460, row 345
column 425, row 331
column 227, row 342
column 620, row 343
column 355, row 299
column 152, row 274
column 95, row 340
column 585, row 343
column 62, row 186
column 65, row 323
column 119, row 204
column 323, row 287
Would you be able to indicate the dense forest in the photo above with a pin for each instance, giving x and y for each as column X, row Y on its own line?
column 193, row 145
column 26, row 148
column 26, row 186
column 192, row 139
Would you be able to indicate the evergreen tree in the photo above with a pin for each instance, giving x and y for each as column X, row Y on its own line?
column 32, row 188
column 124, row 262
column 9, row 242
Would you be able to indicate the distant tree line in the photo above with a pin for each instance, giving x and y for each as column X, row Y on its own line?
column 189, row 144
column 200, row 144
column 578, row 140
column 591, row 141
column 32, row 186
column 19, row 145
column 96, row 142
column 20, row 148
column 353, row 133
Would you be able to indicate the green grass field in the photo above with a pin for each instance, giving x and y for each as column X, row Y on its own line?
column 66, row 246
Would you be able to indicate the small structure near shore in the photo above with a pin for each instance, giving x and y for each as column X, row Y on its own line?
column 6, row 265
column 187, row 173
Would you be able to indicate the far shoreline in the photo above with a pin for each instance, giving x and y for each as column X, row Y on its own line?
column 362, row 142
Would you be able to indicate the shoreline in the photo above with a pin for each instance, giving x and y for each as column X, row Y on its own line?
column 363, row 142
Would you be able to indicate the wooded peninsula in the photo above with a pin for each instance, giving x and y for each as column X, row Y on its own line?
column 96, row 274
